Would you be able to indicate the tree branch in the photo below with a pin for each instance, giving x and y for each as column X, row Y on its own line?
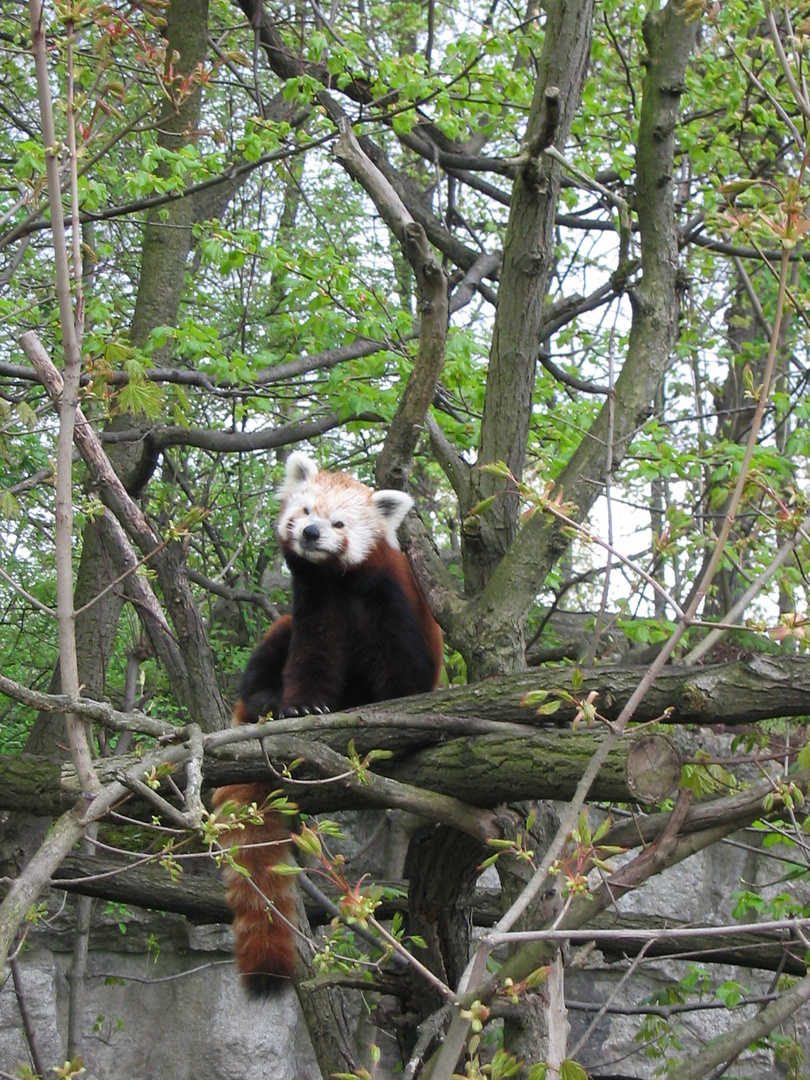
column 197, row 686
column 538, row 545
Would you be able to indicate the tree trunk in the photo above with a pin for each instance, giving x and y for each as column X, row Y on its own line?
column 528, row 262
column 488, row 631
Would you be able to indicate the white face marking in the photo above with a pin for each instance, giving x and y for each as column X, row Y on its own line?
column 331, row 516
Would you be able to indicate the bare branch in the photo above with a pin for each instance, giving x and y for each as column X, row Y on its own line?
column 67, row 405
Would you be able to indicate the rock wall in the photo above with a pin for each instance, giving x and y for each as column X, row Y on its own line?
column 163, row 1003
column 163, row 999
column 699, row 891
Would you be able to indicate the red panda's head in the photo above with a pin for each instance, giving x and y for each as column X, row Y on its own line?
column 330, row 516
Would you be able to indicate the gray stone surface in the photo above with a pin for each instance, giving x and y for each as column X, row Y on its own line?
column 175, row 1011
column 700, row 891
column 178, row 1015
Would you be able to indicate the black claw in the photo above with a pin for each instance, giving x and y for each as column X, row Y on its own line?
column 302, row 710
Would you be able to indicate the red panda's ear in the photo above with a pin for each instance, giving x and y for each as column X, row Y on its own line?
column 392, row 505
column 299, row 470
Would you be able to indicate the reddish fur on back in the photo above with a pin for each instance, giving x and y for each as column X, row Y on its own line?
column 360, row 632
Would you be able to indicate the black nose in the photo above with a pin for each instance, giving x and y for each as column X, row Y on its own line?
column 310, row 532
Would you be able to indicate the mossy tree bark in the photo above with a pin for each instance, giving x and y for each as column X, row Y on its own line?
column 444, row 783
column 528, row 263
column 490, row 631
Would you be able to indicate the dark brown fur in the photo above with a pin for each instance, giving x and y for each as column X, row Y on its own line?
column 357, row 635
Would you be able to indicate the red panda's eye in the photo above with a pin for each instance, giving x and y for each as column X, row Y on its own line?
column 337, row 525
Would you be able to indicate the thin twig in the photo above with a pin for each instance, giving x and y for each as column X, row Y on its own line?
column 28, row 1025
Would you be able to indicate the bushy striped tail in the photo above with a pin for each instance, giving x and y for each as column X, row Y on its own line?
column 265, row 934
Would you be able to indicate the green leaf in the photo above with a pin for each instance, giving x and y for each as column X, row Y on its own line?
column 549, row 708
column 534, row 698
column 483, row 505
column 284, row 869
column 731, row 993
column 26, row 415
column 9, row 505
column 141, row 398
column 571, row 1070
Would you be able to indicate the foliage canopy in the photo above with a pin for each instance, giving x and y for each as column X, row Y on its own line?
column 269, row 210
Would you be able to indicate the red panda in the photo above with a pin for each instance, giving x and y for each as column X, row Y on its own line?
column 360, row 632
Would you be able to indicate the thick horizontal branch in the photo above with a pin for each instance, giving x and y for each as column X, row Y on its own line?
column 735, row 810
column 619, row 934
column 760, row 687
column 372, row 789
column 487, row 721
column 201, row 898
column 482, row 768
column 768, row 950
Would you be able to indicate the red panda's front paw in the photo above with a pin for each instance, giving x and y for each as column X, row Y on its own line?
column 301, row 710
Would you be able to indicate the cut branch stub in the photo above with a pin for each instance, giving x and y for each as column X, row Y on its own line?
column 653, row 767
column 548, row 122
